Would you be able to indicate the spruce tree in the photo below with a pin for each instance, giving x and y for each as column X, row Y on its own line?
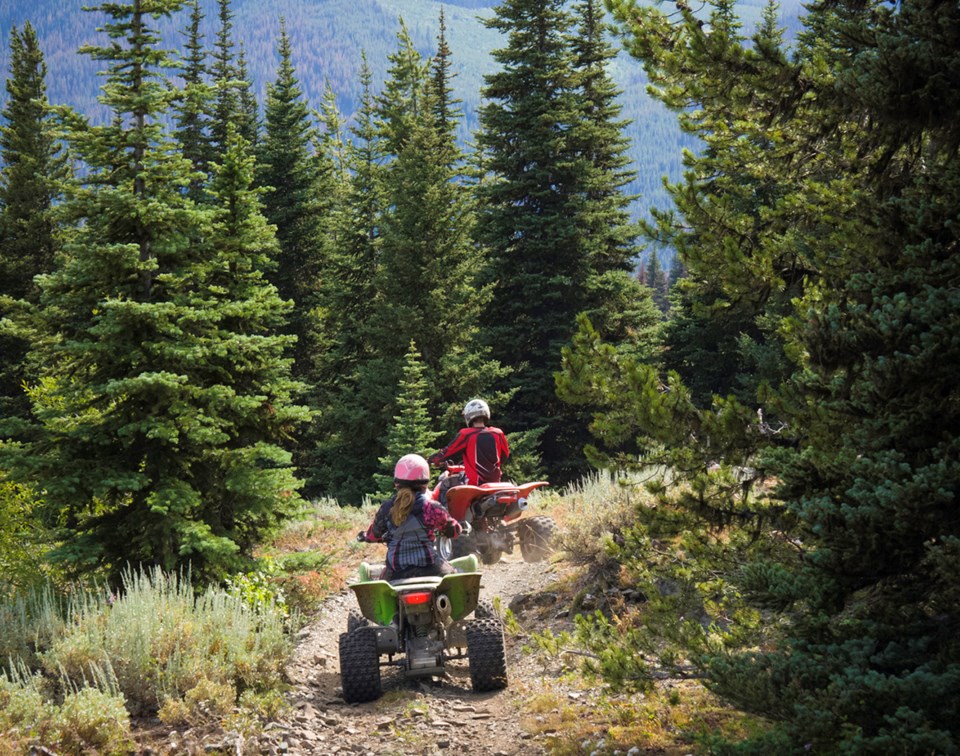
column 342, row 464
column 249, row 115
column 656, row 279
column 446, row 113
column 412, row 431
column 618, row 306
column 528, row 213
column 193, row 105
column 428, row 275
column 28, row 187
column 242, row 365
column 288, row 172
column 402, row 104
column 824, row 205
column 224, row 74
column 553, row 216
column 163, row 391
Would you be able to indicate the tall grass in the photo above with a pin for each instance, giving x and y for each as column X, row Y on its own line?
column 600, row 507
column 29, row 623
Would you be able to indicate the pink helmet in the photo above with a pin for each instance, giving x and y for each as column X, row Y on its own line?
column 413, row 468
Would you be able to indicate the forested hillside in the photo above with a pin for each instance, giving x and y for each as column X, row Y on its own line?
column 327, row 37
column 224, row 301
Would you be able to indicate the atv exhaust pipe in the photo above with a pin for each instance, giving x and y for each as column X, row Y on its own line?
column 515, row 508
column 444, row 607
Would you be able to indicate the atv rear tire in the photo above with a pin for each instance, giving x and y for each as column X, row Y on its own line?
column 485, row 609
column 486, row 654
column 355, row 620
column 536, row 538
column 360, row 666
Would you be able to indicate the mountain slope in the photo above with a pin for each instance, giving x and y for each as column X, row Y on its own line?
column 327, row 38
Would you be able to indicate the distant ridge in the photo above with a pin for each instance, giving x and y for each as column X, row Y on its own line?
column 328, row 36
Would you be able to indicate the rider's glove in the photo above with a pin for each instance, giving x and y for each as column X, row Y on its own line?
column 362, row 537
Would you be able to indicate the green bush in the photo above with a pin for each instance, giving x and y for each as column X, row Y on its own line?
column 161, row 640
column 89, row 720
column 21, row 540
column 29, row 622
column 93, row 721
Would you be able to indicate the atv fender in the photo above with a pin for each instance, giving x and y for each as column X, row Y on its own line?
column 463, row 591
column 377, row 600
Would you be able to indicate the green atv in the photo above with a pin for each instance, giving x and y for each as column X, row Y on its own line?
column 420, row 624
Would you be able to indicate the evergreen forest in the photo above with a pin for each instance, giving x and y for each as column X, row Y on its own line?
column 327, row 37
column 225, row 294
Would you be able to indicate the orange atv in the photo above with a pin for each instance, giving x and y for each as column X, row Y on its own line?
column 492, row 513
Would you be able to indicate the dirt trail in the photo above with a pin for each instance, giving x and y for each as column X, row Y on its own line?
column 442, row 716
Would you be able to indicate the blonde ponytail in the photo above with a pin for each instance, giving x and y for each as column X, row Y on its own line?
column 402, row 505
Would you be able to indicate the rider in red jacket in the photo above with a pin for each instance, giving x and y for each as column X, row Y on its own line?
column 484, row 448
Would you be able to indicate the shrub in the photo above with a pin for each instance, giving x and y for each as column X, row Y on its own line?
column 602, row 506
column 207, row 702
column 89, row 720
column 93, row 721
column 161, row 640
column 30, row 619
column 21, row 548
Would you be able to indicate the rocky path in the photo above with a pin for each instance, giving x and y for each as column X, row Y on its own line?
column 434, row 717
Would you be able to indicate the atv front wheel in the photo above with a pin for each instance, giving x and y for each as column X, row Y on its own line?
column 486, row 654
column 454, row 548
column 536, row 538
column 360, row 666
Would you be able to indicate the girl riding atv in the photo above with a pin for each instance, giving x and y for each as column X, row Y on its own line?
column 409, row 522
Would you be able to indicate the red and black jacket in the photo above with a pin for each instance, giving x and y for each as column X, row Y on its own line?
column 483, row 450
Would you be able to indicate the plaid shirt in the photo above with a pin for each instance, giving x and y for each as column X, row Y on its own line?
column 416, row 544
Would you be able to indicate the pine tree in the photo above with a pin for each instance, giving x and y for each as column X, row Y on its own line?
column 224, row 73
column 411, row 431
column 824, row 206
column 28, row 188
column 342, row 463
column 288, row 171
column 193, row 105
column 163, row 390
column 249, row 117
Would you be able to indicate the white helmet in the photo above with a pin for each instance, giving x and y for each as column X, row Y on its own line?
column 475, row 408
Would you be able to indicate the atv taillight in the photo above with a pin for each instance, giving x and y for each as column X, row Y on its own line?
column 507, row 498
column 414, row 599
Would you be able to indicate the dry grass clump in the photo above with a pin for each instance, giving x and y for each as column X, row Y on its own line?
column 676, row 717
column 599, row 508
